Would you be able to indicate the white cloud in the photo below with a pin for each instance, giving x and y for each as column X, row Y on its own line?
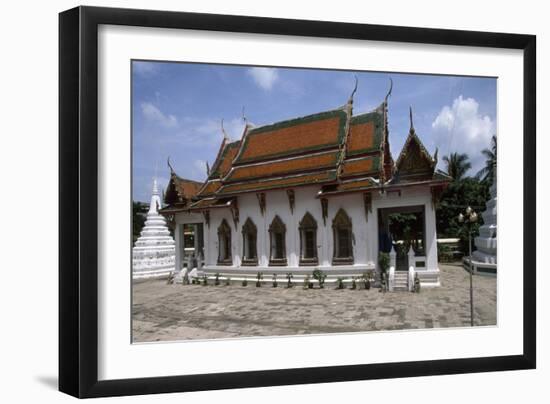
column 198, row 170
column 209, row 131
column 264, row 77
column 145, row 69
column 461, row 128
column 152, row 113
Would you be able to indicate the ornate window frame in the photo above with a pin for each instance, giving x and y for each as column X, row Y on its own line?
column 308, row 223
column 249, row 229
column 342, row 221
column 224, row 231
column 277, row 226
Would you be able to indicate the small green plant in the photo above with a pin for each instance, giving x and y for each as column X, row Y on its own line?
column 320, row 276
column 274, row 280
column 340, row 283
column 353, row 283
column 289, row 277
column 383, row 262
column 217, row 279
column 368, row 277
column 259, row 277
column 383, row 283
column 204, row 280
column 245, row 282
column 416, row 288
column 227, row 281
column 306, row 282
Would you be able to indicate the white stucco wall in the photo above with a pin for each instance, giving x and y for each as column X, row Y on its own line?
column 413, row 196
column 365, row 232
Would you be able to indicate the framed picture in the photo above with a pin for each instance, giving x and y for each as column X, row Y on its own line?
column 252, row 202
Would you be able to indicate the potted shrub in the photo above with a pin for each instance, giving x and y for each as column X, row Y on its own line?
column 320, row 277
column 204, row 280
column 384, row 262
column 227, row 281
column 217, row 279
column 289, row 277
column 306, row 282
column 416, row 287
column 368, row 277
column 259, row 278
column 340, row 283
column 353, row 283
column 245, row 281
column 274, row 280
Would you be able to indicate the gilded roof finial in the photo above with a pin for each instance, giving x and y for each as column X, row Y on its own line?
column 350, row 100
column 411, row 119
column 170, row 165
column 207, row 169
column 389, row 91
column 244, row 117
column 225, row 136
column 435, row 156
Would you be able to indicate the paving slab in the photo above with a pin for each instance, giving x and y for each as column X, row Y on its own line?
column 162, row 312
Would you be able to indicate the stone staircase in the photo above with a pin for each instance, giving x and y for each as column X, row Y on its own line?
column 401, row 281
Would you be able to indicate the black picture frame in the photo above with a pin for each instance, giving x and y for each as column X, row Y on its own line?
column 78, row 196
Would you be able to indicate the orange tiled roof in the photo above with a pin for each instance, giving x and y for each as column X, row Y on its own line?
column 366, row 133
column 361, row 166
column 292, row 137
column 280, row 167
column 209, row 188
column 223, row 163
column 180, row 190
column 325, row 148
column 307, row 179
column 349, row 186
column 211, row 203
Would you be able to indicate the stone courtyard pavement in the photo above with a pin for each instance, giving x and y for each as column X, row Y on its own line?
column 163, row 312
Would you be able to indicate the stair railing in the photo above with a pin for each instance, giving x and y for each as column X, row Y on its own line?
column 391, row 277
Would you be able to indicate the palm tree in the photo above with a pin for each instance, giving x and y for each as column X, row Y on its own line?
column 457, row 165
column 487, row 173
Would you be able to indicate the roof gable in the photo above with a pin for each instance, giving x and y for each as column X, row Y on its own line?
column 414, row 162
column 180, row 190
column 293, row 137
column 224, row 160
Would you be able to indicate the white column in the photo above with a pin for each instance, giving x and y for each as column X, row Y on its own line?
column 431, row 238
column 178, row 232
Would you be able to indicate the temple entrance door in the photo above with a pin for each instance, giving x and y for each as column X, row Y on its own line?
column 402, row 227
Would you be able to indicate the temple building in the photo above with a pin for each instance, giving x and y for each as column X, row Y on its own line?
column 315, row 192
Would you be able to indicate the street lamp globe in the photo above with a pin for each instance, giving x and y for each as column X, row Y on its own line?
column 473, row 217
column 460, row 218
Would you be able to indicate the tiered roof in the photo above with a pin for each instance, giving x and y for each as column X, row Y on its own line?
column 180, row 192
column 340, row 151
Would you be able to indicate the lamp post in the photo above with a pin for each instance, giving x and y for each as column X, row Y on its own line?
column 468, row 219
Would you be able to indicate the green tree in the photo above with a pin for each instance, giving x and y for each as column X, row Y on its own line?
column 139, row 212
column 455, row 199
column 457, row 165
column 487, row 173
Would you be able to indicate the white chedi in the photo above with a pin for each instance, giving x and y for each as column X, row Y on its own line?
column 154, row 253
column 486, row 243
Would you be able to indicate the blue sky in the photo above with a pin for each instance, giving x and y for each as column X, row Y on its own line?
column 177, row 109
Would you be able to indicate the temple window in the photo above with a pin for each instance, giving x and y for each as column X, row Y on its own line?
column 224, row 244
column 308, row 240
column 250, row 254
column 277, row 235
column 343, row 237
